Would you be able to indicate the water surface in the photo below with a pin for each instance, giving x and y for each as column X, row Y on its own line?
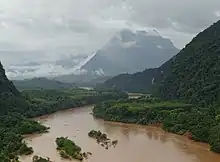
column 136, row 143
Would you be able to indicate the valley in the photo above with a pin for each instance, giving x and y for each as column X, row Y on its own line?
column 141, row 99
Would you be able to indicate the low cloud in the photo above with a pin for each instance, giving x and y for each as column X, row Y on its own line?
column 46, row 31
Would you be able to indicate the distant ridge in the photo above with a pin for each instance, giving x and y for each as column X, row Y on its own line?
column 41, row 83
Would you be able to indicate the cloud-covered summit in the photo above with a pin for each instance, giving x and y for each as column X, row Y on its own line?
column 48, row 30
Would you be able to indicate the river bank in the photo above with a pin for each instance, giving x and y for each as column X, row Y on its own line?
column 136, row 142
column 198, row 123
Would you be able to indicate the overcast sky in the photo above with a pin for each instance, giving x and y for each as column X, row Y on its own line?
column 48, row 30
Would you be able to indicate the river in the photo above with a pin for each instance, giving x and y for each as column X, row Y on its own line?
column 136, row 143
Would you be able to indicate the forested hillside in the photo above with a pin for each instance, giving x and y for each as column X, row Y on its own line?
column 192, row 75
column 40, row 83
column 137, row 82
column 5, row 84
column 12, row 123
column 199, row 124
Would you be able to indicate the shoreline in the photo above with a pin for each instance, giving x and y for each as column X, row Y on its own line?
column 134, row 136
column 204, row 145
column 63, row 110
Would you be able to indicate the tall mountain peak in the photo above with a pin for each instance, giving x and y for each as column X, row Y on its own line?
column 131, row 51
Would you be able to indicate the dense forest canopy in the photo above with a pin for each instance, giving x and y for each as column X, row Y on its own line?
column 194, row 74
column 199, row 124
column 68, row 149
column 140, row 82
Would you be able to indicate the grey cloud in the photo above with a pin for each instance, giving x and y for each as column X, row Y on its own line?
column 45, row 31
column 186, row 16
column 70, row 61
column 31, row 63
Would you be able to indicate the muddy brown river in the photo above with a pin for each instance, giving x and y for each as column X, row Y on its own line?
column 136, row 143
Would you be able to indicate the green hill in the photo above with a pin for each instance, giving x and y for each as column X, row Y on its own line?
column 12, row 123
column 41, row 83
column 5, row 84
column 192, row 75
column 137, row 82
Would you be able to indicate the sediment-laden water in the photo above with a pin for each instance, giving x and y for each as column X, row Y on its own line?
column 136, row 143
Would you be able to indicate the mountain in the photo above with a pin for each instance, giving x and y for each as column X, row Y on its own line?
column 192, row 75
column 137, row 82
column 126, row 52
column 11, row 100
column 40, row 83
column 6, row 86
column 129, row 52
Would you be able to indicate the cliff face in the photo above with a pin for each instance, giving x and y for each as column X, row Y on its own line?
column 6, row 86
